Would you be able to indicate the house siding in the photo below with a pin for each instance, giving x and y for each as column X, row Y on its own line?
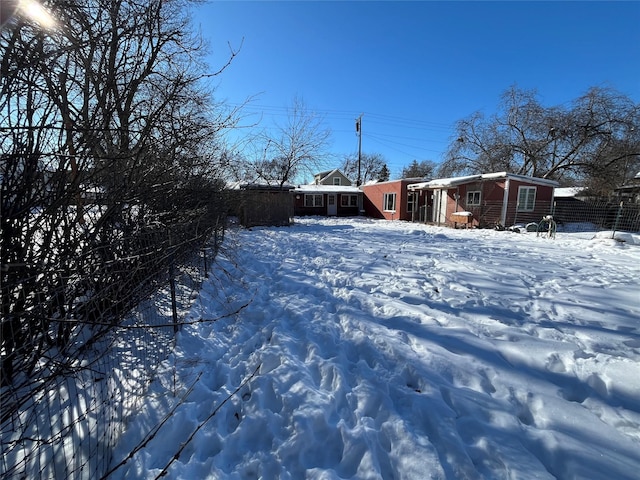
column 327, row 178
column 300, row 209
column 543, row 203
column 374, row 198
column 491, row 201
column 492, row 208
column 498, row 199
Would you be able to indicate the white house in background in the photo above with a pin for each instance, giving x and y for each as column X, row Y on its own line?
column 331, row 177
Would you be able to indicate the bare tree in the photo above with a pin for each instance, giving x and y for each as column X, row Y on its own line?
column 597, row 135
column 296, row 147
column 109, row 165
column 108, row 152
column 373, row 167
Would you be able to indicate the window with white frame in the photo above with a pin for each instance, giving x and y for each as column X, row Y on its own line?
column 389, row 202
column 336, row 180
column 313, row 200
column 473, row 198
column 526, row 199
column 348, row 200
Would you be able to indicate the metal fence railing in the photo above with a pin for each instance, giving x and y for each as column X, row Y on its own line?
column 571, row 215
column 574, row 215
column 64, row 409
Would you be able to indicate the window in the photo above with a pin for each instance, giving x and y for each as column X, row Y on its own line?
column 313, row 200
column 389, row 202
column 348, row 200
column 526, row 199
column 336, row 181
column 473, row 198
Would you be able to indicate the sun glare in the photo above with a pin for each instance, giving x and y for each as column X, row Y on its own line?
column 36, row 12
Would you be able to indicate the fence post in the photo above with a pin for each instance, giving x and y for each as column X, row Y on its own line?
column 172, row 284
column 206, row 264
column 617, row 222
column 215, row 241
column 174, row 306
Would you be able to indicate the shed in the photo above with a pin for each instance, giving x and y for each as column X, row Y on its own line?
column 262, row 205
column 493, row 198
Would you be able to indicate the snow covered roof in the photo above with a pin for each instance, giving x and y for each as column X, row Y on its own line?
column 404, row 180
column 327, row 189
column 258, row 186
column 567, row 192
column 325, row 174
column 444, row 182
column 454, row 181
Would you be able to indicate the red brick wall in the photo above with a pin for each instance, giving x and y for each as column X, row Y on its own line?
column 374, row 197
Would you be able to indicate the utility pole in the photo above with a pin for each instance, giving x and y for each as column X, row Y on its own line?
column 359, row 133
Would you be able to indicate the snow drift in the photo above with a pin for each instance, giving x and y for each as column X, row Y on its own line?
column 373, row 349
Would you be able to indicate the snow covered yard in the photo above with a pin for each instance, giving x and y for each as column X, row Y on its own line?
column 396, row 350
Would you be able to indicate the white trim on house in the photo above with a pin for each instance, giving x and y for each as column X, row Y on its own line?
column 476, row 198
column 389, row 202
column 505, row 202
column 529, row 202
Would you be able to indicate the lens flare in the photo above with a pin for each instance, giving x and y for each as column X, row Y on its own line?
column 36, row 12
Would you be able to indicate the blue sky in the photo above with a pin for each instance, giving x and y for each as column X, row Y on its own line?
column 414, row 68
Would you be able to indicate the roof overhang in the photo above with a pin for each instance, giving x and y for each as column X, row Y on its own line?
column 327, row 189
column 442, row 183
column 265, row 187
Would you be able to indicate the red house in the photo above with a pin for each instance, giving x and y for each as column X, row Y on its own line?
column 487, row 199
column 394, row 201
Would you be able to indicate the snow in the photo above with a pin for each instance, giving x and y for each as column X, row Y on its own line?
column 439, row 183
column 327, row 189
column 359, row 348
column 567, row 192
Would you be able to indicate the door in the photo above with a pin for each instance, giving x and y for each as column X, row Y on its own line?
column 412, row 205
column 439, row 206
column 332, row 204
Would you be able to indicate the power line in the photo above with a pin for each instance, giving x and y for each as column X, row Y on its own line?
column 418, row 139
column 378, row 118
column 391, row 145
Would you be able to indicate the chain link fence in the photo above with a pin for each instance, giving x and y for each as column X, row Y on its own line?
column 93, row 289
column 572, row 215
column 61, row 418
